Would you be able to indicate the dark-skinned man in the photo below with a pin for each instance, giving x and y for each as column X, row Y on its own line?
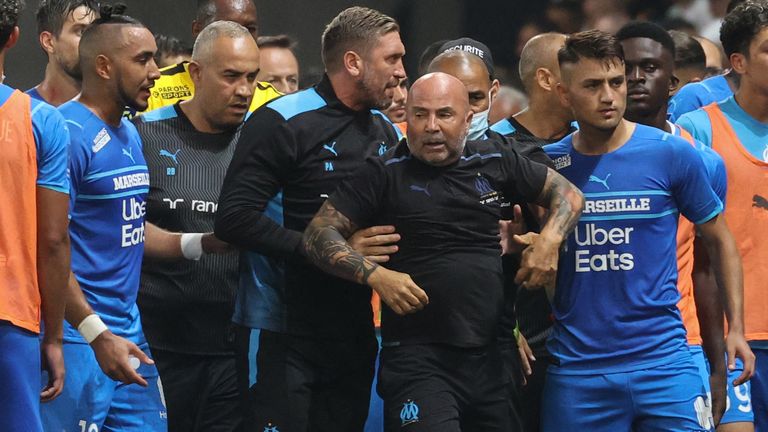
column 34, row 245
column 175, row 83
column 621, row 356
column 187, row 303
column 649, row 54
column 112, row 384
column 315, row 336
column 472, row 63
column 444, row 289
column 60, row 23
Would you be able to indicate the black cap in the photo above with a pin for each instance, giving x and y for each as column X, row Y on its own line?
column 473, row 47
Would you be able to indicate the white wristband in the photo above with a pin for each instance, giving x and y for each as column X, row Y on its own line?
column 91, row 327
column 192, row 246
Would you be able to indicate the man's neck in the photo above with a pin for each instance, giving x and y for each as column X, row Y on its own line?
column 192, row 110
column 104, row 105
column 543, row 121
column 57, row 87
column 346, row 91
column 656, row 119
column 592, row 141
column 753, row 101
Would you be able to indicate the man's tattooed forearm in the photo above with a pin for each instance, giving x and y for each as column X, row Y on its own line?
column 325, row 245
column 565, row 203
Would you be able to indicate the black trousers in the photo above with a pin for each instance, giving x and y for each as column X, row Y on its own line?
column 440, row 388
column 306, row 384
column 200, row 392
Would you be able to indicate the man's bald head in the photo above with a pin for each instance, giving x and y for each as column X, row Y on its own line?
column 459, row 63
column 540, row 52
column 439, row 86
column 472, row 72
column 439, row 116
column 203, row 50
column 242, row 12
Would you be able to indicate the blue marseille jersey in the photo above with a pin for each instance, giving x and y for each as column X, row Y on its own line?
column 52, row 144
column 696, row 95
column 752, row 134
column 109, row 183
column 615, row 303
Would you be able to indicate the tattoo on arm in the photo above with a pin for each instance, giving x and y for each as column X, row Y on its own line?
column 324, row 243
column 564, row 201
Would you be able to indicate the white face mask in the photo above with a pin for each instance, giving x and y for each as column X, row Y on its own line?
column 479, row 122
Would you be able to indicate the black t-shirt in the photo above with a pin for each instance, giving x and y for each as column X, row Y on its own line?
column 448, row 220
column 303, row 145
column 186, row 306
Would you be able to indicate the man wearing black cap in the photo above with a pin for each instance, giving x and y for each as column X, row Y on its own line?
column 472, row 63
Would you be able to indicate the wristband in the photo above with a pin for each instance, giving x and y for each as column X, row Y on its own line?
column 91, row 327
column 192, row 246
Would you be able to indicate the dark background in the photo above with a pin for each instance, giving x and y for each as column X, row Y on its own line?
column 422, row 21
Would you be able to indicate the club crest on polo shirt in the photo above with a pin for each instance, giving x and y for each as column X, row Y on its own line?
column 486, row 191
column 101, row 139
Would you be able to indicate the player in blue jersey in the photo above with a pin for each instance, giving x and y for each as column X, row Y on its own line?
column 648, row 55
column 621, row 358
column 737, row 128
column 109, row 184
column 714, row 89
column 34, row 246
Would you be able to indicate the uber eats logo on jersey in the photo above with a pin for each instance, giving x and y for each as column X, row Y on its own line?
column 592, row 235
column 133, row 212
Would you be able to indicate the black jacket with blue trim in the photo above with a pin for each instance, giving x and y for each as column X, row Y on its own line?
column 302, row 145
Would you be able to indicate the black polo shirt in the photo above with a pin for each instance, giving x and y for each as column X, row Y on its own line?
column 448, row 219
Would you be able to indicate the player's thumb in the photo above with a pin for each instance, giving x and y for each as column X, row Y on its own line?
column 525, row 239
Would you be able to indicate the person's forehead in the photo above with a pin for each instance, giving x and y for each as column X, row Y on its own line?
column 389, row 41
column 473, row 75
column 278, row 54
column 760, row 38
column 640, row 48
column 590, row 68
column 437, row 95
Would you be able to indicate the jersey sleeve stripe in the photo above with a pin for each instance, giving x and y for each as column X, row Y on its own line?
column 116, row 171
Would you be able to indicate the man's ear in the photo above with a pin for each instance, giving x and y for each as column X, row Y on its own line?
column 103, row 67
column 13, row 38
column 46, row 41
column 194, row 71
column 674, row 82
column 739, row 63
column 545, row 79
column 353, row 63
column 495, row 86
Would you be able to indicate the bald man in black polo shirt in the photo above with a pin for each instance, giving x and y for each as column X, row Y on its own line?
column 444, row 288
